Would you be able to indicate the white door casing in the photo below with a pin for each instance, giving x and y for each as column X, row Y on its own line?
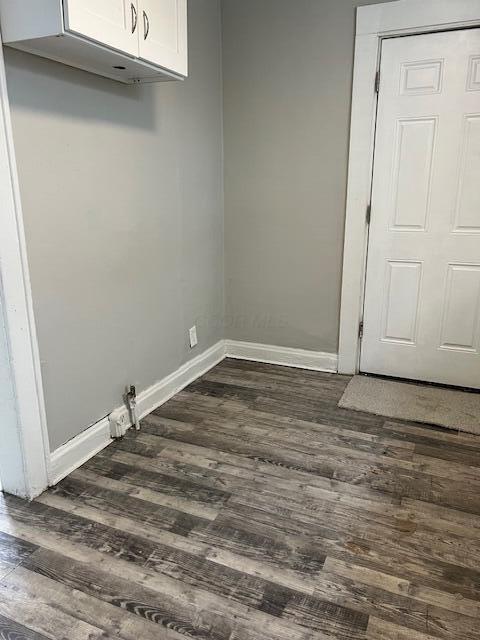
column 374, row 23
column 163, row 33
column 111, row 22
column 422, row 297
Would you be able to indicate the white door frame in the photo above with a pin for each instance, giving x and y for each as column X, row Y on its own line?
column 25, row 452
column 374, row 23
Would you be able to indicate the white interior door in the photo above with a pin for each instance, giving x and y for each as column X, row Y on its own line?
column 111, row 22
column 422, row 298
column 163, row 34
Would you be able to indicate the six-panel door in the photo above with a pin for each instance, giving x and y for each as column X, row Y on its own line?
column 163, row 34
column 113, row 23
column 422, row 299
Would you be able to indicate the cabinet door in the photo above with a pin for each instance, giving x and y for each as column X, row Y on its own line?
column 113, row 23
column 163, row 34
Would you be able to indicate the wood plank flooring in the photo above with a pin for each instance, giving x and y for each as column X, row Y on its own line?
column 250, row 507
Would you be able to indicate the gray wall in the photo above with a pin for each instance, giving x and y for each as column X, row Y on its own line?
column 123, row 202
column 287, row 91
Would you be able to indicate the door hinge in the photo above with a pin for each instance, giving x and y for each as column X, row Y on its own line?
column 369, row 213
column 377, row 82
column 360, row 330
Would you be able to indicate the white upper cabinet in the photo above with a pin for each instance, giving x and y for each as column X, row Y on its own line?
column 109, row 22
column 163, row 33
column 126, row 40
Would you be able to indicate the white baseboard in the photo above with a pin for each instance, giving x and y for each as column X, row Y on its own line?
column 159, row 393
column 77, row 451
column 298, row 358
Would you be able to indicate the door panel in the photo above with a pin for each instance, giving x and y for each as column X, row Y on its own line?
column 412, row 174
column 422, row 295
column 163, row 34
column 421, row 77
column 401, row 301
column 110, row 22
column 460, row 326
column 467, row 214
column 474, row 74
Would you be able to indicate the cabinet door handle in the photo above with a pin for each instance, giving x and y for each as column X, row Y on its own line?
column 146, row 26
column 134, row 17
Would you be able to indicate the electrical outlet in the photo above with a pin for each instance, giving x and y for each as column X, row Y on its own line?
column 193, row 337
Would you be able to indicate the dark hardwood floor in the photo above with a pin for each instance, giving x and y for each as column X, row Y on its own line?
column 250, row 507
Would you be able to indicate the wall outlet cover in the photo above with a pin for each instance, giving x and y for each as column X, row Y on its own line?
column 119, row 423
column 193, row 337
